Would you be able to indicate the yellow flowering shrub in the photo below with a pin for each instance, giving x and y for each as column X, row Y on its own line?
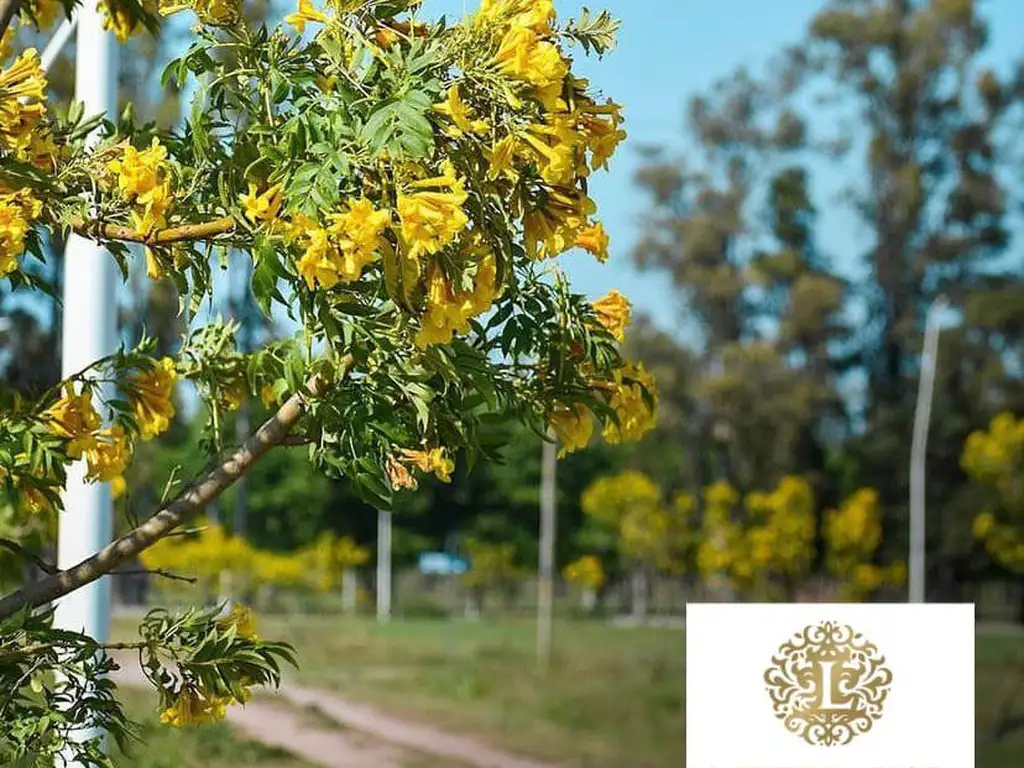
column 853, row 534
column 994, row 459
column 585, row 571
column 761, row 542
column 649, row 532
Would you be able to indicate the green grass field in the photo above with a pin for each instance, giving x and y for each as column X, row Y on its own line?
column 611, row 698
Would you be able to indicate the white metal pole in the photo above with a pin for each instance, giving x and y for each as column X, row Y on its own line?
column 383, row 565
column 57, row 42
column 545, row 575
column 918, row 452
column 89, row 332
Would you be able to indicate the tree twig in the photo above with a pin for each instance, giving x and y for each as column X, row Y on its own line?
column 181, row 509
column 22, row 552
column 156, row 572
column 298, row 440
column 203, row 231
column 8, row 10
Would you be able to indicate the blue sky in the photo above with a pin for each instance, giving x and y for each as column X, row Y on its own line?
column 668, row 51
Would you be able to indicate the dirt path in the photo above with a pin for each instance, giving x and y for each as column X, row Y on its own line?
column 380, row 741
column 423, row 738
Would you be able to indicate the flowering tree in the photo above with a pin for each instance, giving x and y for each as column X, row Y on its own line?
column 588, row 573
column 853, row 534
column 400, row 185
column 651, row 536
column 766, row 544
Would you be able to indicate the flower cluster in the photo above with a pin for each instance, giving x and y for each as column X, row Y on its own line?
column 108, row 449
column 213, row 551
column 17, row 212
column 23, row 134
column 340, row 251
column 648, row 531
column 585, row 571
column 853, row 533
column 144, row 179
column 993, row 458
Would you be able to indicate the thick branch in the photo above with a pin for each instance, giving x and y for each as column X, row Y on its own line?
column 203, row 231
column 25, row 554
column 182, row 508
column 8, row 10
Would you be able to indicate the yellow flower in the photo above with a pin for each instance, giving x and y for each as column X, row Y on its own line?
column 594, row 240
column 523, row 55
column 501, row 158
column 434, row 460
column 449, row 311
column 267, row 396
column 613, row 312
column 43, row 12
column 22, row 94
column 573, row 427
column 74, row 418
column 602, row 132
column 558, row 149
column 984, row 524
column 235, row 394
column 534, row 14
column 262, row 206
column 17, row 212
column 193, row 707
column 305, row 14
column 5, row 43
column 109, row 456
column 219, row 13
column 430, row 219
column 144, row 179
column 119, row 22
column 554, row 229
column 150, row 392
column 242, row 620
column 586, row 570
column 636, row 418
column 455, row 108
column 118, row 486
column 358, row 235
column 340, row 252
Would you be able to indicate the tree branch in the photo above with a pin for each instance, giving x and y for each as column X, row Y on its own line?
column 181, row 509
column 25, row 554
column 203, row 231
column 156, row 572
column 8, row 10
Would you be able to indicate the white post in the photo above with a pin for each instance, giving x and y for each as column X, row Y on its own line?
column 918, row 451
column 89, row 332
column 545, row 576
column 383, row 565
column 348, row 591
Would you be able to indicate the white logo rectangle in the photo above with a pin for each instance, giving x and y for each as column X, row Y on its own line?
column 816, row 685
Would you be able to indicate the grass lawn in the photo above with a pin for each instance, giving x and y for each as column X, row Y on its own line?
column 612, row 697
column 212, row 746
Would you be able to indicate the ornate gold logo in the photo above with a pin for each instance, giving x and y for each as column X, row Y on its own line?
column 828, row 684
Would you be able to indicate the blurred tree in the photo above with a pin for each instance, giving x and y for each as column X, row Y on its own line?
column 650, row 536
column 761, row 543
column 909, row 76
column 925, row 136
column 853, row 535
